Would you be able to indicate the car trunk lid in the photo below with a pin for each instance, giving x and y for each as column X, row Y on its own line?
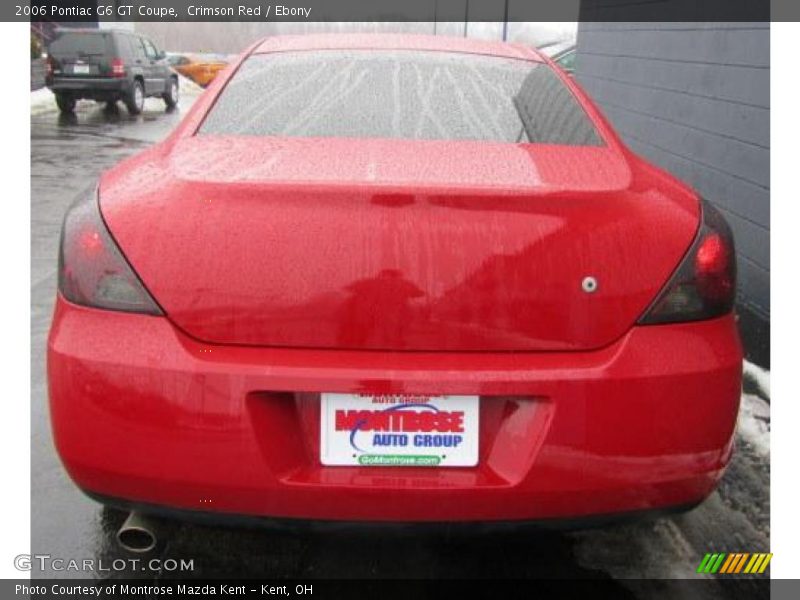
column 397, row 245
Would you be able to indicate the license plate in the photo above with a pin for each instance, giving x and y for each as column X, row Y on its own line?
column 80, row 69
column 398, row 430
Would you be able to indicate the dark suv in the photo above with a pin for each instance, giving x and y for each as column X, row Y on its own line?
column 108, row 66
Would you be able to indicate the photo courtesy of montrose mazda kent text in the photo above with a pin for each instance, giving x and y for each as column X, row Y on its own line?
column 394, row 278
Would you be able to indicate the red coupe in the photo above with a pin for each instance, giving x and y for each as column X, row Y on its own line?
column 394, row 278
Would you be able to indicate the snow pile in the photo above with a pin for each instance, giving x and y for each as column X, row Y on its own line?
column 754, row 423
column 754, row 412
column 758, row 375
column 42, row 100
column 188, row 87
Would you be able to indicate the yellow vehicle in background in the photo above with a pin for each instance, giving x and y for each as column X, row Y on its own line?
column 200, row 68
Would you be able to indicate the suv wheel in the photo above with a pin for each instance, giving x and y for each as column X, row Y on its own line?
column 171, row 95
column 134, row 101
column 66, row 103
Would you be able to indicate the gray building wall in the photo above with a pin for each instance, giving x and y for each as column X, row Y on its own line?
column 694, row 99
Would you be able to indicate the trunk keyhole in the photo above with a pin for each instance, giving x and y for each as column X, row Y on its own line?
column 589, row 285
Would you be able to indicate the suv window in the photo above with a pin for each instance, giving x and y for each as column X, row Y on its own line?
column 124, row 46
column 80, row 43
column 135, row 48
column 404, row 94
column 149, row 49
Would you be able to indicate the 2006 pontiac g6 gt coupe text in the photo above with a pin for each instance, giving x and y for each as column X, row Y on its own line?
column 395, row 278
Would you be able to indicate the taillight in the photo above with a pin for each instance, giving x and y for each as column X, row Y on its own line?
column 704, row 285
column 48, row 67
column 91, row 269
column 117, row 68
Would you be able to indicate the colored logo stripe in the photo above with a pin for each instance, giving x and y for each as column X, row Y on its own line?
column 703, row 563
column 715, row 567
column 727, row 565
column 737, row 563
column 710, row 563
column 732, row 563
column 758, row 563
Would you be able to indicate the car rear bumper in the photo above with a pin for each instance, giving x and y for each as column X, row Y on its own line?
column 318, row 526
column 89, row 85
column 144, row 413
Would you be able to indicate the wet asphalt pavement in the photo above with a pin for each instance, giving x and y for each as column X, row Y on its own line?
column 67, row 155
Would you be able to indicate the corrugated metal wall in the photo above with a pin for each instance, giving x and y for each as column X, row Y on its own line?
column 694, row 99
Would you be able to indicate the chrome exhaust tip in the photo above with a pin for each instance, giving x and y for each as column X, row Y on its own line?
column 138, row 534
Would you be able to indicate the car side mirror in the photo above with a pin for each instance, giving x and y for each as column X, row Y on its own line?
column 161, row 55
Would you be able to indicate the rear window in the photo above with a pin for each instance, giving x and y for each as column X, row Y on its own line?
column 74, row 44
column 399, row 94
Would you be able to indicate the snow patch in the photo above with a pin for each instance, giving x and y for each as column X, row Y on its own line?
column 188, row 87
column 759, row 375
column 754, row 423
column 42, row 100
column 754, row 412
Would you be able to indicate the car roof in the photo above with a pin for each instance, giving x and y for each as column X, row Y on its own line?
column 392, row 41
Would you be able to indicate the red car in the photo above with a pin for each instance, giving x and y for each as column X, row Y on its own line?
column 394, row 278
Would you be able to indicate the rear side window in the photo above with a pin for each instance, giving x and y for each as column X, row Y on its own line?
column 123, row 43
column 80, row 44
column 149, row 49
column 137, row 49
column 550, row 112
column 399, row 94
column 567, row 61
